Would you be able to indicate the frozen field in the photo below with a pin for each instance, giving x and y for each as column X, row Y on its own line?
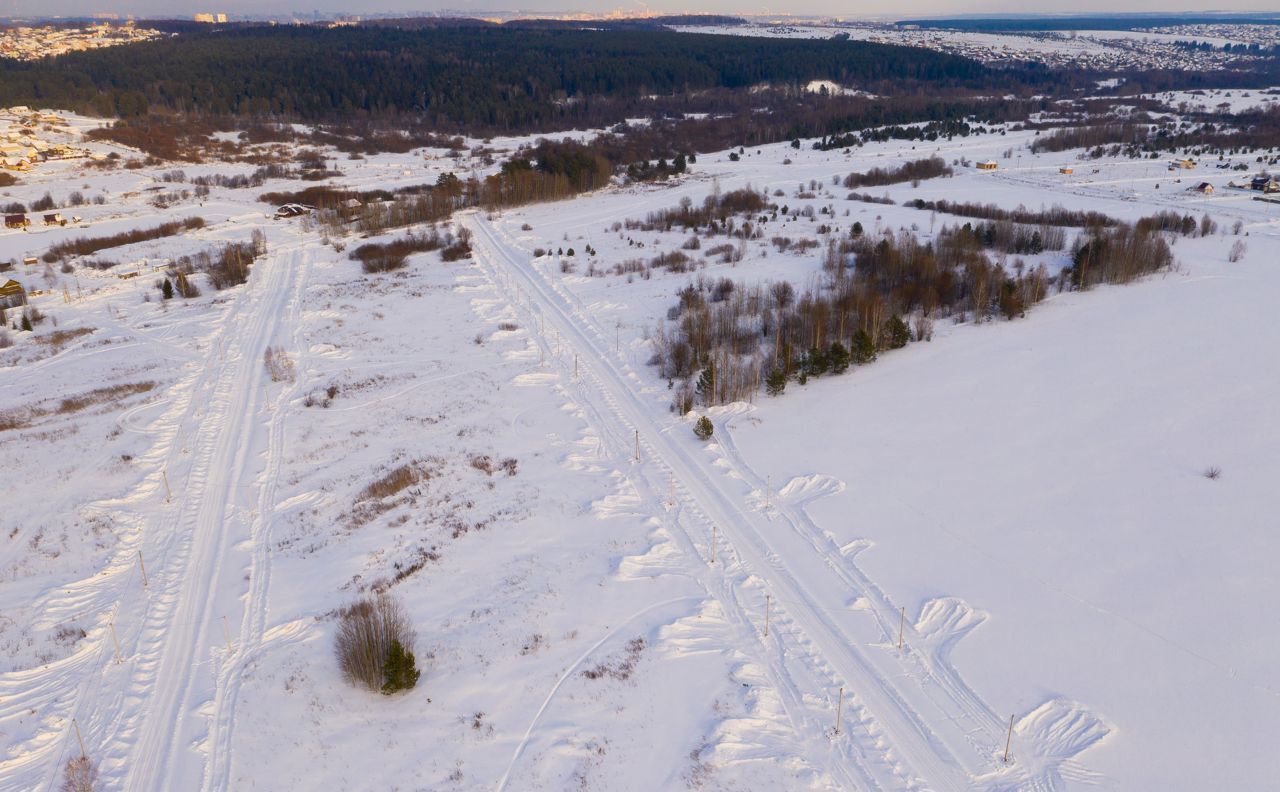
column 1009, row 521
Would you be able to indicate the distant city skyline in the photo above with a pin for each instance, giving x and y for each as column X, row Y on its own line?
column 870, row 10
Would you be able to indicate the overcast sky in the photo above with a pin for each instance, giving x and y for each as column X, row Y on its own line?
column 867, row 8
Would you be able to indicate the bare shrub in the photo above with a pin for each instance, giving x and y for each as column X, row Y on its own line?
column 80, row 775
column 1213, row 473
column 279, row 364
column 367, row 629
column 1237, row 251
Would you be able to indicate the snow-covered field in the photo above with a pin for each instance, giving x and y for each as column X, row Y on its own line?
column 1021, row 503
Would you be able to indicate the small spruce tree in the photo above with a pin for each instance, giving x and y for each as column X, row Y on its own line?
column 26, row 322
column 707, row 383
column 896, row 333
column 703, row 429
column 838, row 356
column 776, row 382
column 400, row 670
column 818, row 362
column 864, row 351
column 167, row 289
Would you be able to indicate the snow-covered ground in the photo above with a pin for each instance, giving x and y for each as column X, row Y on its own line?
column 1022, row 502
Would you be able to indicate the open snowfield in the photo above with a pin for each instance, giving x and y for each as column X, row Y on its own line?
column 1022, row 502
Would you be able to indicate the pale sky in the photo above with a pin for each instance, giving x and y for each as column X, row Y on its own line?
column 868, row 8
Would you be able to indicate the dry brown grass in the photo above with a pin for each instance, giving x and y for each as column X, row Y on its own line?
column 102, row 396
column 60, row 338
column 393, row 483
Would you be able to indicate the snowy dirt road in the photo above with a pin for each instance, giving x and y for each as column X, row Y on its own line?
column 149, row 709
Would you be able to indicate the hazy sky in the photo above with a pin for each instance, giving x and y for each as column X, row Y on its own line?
column 867, row 8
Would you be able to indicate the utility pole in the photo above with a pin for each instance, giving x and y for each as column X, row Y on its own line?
column 1008, row 740
column 902, row 623
column 142, row 565
column 839, row 710
column 766, row 615
column 115, row 640
column 713, row 543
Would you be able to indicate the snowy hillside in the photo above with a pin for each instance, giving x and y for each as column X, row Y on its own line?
column 858, row 584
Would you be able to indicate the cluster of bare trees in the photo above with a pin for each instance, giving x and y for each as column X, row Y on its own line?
column 386, row 256
column 715, row 213
column 916, row 170
column 1053, row 216
column 724, row 340
column 86, row 246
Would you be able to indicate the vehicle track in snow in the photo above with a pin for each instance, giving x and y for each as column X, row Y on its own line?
column 141, row 717
column 914, row 729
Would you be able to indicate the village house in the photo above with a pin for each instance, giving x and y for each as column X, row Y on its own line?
column 1204, row 187
column 989, row 165
column 16, row 221
column 12, row 294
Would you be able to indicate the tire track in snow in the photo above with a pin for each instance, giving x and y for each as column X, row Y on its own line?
column 930, row 759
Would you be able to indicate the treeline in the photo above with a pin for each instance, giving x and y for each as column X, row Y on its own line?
column 1090, row 137
column 87, row 246
column 914, row 171
column 548, row 172
column 496, row 77
column 1054, row 216
column 725, row 340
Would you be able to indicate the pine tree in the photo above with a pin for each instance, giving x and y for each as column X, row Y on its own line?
column 26, row 322
column 776, row 382
column 896, row 333
column 839, row 358
column 167, row 289
column 707, row 383
column 817, row 362
column 703, row 429
column 400, row 669
column 864, row 351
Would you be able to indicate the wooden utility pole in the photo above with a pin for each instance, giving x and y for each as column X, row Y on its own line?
column 79, row 739
column 168, row 493
column 115, row 640
column 713, row 543
column 142, row 565
column 839, row 710
column 766, row 615
column 575, row 366
column 1008, row 740
column 768, row 487
column 637, row 445
column 902, row 623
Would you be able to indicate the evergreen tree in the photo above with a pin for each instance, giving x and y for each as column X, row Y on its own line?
column 864, row 351
column 857, row 229
column 707, row 383
column 400, row 669
column 818, row 362
column 896, row 333
column 167, row 289
column 26, row 322
column 776, row 382
column 839, row 358
column 703, row 429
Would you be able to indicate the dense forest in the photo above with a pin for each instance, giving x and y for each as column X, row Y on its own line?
column 494, row 77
